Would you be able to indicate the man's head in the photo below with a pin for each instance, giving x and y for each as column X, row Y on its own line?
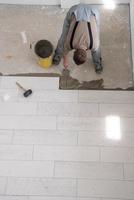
column 80, row 56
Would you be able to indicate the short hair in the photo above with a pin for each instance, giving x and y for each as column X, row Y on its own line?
column 80, row 56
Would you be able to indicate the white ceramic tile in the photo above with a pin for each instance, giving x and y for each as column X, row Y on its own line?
column 27, row 122
column 91, row 138
column 51, row 198
column 116, row 154
column 127, row 124
column 117, row 109
column 16, row 152
column 52, row 96
column 68, row 109
column 111, row 199
column 3, row 181
column 8, row 95
column 0, row 80
column 92, row 124
column 26, row 168
column 59, row 198
column 6, row 136
column 101, row 139
column 89, row 170
column 106, row 189
column 41, row 186
column 106, row 96
column 66, row 153
column 79, row 198
column 47, row 137
column 8, row 108
column 75, row 123
column 30, row 82
column 129, row 171
column 14, row 198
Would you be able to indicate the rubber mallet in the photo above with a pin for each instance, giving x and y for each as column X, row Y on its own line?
column 26, row 92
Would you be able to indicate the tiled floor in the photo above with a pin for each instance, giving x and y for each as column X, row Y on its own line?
column 65, row 145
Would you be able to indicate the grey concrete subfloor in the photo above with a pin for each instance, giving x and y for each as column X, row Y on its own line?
column 43, row 22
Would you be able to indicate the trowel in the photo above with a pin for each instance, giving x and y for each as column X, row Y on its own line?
column 64, row 77
column 66, row 81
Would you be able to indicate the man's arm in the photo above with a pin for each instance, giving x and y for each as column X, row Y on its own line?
column 65, row 61
column 66, row 25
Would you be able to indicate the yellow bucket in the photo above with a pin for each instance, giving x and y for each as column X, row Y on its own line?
column 45, row 62
column 44, row 50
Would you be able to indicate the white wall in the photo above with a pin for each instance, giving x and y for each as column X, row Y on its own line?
column 32, row 2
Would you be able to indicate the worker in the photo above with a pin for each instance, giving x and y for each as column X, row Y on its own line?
column 81, row 31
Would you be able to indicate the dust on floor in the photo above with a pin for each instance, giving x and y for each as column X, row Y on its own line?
column 22, row 26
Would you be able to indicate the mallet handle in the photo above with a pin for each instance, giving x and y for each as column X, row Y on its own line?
column 20, row 86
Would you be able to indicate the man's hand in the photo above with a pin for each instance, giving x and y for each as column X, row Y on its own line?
column 65, row 61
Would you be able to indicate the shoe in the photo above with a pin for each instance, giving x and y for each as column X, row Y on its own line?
column 98, row 69
column 56, row 59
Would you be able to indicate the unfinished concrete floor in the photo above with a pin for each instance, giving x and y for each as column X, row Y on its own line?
column 24, row 25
